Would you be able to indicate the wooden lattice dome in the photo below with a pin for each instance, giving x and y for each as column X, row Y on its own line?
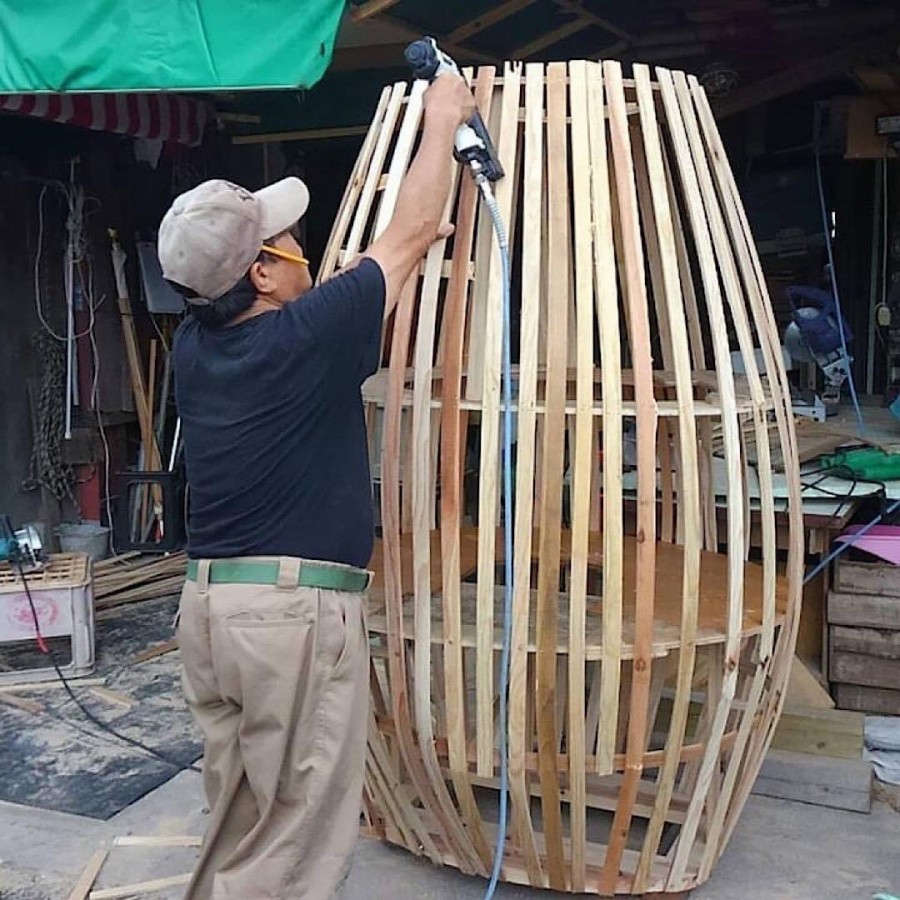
column 654, row 622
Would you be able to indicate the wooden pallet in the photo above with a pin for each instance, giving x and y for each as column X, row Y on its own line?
column 61, row 570
column 635, row 277
column 864, row 636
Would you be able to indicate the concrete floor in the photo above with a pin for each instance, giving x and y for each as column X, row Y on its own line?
column 780, row 851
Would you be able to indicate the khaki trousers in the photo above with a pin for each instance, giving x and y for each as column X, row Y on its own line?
column 277, row 679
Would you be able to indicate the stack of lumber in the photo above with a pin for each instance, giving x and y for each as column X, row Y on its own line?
column 816, row 752
column 134, row 576
column 864, row 636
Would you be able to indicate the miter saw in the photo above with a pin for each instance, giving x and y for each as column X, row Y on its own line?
column 814, row 336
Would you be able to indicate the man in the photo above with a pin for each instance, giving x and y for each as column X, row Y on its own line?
column 272, row 627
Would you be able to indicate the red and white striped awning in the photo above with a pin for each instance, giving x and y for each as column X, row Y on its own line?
column 164, row 116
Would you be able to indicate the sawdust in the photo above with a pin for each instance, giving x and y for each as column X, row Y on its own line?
column 18, row 884
column 62, row 761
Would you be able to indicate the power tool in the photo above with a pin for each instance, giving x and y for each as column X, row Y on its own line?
column 869, row 463
column 21, row 548
column 815, row 335
column 473, row 145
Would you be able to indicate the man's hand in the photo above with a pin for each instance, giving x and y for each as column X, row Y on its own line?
column 449, row 98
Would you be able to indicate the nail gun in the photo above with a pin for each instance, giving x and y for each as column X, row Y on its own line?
column 473, row 145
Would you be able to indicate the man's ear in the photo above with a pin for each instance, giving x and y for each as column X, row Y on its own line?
column 261, row 278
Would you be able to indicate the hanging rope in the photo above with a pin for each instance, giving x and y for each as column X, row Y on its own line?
column 48, row 467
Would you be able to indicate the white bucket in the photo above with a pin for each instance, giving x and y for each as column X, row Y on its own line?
column 88, row 537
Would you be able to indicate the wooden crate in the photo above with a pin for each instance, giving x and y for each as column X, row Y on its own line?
column 871, row 641
column 864, row 636
column 60, row 596
column 881, row 701
column 879, row 579
column 860, row 668
column 863, row 610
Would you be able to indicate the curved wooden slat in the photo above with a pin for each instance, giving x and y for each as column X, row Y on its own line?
column 452, row 454
column 689, row 495
column 531, row 277
column 507, row 148
column 390, row 497
column 639, row 334
column 610, row 369
column 576, row 737
column 552, row 481
column 683, row 132
column 356, row 182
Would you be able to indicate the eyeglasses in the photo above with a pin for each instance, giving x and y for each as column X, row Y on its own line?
column 284, row 254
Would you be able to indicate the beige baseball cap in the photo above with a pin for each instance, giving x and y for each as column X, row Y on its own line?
column 212, row 234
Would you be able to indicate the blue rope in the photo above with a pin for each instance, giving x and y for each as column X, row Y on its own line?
column 826, row 224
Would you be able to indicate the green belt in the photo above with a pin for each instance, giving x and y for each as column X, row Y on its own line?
column 314, row 575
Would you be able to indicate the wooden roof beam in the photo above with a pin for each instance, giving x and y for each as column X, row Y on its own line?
column 663, row 53
column 370, row 8
column 879, row 79
column 796, row 25
column 550, row 38
column 575, row 7
column 487, row 19
column 457, row 51
column 307, row 134
column 804, row 74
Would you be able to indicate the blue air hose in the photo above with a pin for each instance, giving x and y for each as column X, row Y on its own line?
column 503, row 245
column 826, row 225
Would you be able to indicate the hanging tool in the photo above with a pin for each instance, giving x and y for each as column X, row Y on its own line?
column 473, row 147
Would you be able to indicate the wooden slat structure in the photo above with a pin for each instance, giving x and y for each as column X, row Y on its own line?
column 648, row 661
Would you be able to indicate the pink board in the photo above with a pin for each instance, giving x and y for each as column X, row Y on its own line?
column 880, row 540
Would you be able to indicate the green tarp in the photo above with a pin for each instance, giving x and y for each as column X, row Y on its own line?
column 153, row 45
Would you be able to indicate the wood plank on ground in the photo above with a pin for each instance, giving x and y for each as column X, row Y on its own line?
column 153, row 652
column 836, row 733
column 836, row 783
column 158, row 840
column 89, row 875
column 23, row 703
column 140, row 888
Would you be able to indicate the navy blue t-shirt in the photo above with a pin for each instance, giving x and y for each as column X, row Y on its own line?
column 274, row 434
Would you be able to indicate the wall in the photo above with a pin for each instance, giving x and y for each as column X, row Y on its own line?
column 772, row 149
column 125, row 195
